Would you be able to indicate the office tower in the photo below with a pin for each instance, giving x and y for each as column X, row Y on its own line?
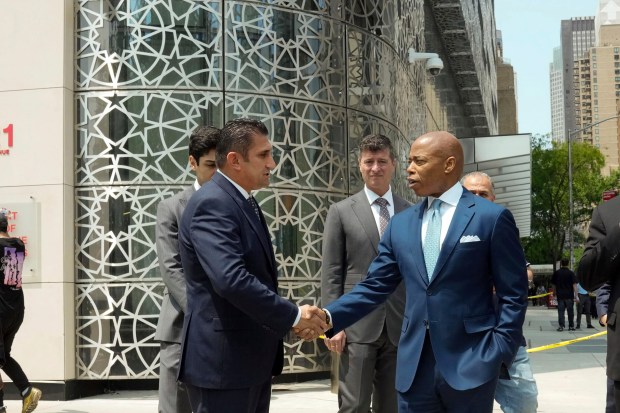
column 558, row 133
column 577, row 36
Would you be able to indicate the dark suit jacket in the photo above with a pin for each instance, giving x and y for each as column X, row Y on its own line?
column 601, row 264
column 350, row 243
column 235, row 319
column 169, row 212
column 469, row 338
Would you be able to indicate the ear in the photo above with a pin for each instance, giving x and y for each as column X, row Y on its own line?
column 192, row 163
column 450, row 164
column 233, row 159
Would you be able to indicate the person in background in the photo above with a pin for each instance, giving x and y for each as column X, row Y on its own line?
column 353, row 227
column 520, row 393
column 565, row 282
column 12, row 255
column 583, row 307
column 173, row 396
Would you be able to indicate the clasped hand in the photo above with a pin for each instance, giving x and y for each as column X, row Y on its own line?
column 312, row 323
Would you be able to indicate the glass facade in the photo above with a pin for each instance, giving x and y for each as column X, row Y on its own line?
column 321, row 74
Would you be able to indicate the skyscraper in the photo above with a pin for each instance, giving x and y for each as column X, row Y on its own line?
column 577, row 36
column 557, row 97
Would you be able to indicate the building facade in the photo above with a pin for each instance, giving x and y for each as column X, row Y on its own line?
column 507, row 116
column 104, row 110
column 556, row 86
column 577, row 36
column 597, row 95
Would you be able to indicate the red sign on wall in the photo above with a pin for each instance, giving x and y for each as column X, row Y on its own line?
column 8, row 131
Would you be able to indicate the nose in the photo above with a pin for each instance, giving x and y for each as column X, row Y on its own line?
column 271, row 163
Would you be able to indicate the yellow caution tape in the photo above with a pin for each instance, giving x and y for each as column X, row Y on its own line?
column 539, row 296
column 565, row 343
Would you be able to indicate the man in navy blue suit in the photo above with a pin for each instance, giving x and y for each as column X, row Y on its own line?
column 450, row 250
column 235, row 320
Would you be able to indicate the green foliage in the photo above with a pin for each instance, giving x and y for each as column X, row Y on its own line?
column 550, row 206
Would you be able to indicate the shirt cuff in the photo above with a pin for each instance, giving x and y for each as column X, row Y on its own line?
column 298, row 317
column 331, row 320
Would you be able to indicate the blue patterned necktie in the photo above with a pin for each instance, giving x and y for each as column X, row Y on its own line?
column 384, row 214
column 432, row 238
column 254, row 205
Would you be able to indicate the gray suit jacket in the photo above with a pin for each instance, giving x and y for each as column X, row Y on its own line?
column 350, row 242
column 169, row 214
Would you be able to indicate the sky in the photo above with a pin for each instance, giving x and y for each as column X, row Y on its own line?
column 530, row 31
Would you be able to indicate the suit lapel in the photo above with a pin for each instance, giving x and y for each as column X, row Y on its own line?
column 363, row 212
column 462, row 215
column 187, row 194
column 250, row 216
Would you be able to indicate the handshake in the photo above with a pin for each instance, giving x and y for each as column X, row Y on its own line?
column 312, row 324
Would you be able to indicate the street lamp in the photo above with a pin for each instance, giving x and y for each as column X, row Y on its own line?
column 570, row 185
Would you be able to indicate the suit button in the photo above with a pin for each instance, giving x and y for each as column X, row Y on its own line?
column 429, row 292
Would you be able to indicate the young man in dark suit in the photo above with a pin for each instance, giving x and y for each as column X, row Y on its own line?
column 235, row 320
column 172, row 394
column 367, row 365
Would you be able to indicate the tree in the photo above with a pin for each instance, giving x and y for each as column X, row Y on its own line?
column 550, row 210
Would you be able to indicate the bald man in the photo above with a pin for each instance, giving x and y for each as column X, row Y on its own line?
column 520, row 393
column 450, row 250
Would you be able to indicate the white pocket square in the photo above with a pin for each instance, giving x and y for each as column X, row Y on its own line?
column 469, row 238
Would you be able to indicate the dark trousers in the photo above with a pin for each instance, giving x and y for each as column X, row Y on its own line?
column 368, row 371
column 583, row 307
column 11, row 318
column 568, row 305
column 430, row 393
column 610, row 400
column 253, row 399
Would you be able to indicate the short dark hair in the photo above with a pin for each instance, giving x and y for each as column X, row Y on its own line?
column 376, row 143
column 4, row 221
column 564, row 262
column 236, row 136
column 202, row 140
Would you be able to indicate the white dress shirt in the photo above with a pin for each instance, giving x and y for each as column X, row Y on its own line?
column 450, row 199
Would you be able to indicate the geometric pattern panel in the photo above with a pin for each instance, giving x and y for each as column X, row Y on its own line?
column 303, row 356
column 115, row 232
column 375, row 16
column 139, row 137
column 274, row 51
column 125, row 43
column 309, row 140
column 115, row 329
column 371, row 74
column 331, row 7
column 296, row 220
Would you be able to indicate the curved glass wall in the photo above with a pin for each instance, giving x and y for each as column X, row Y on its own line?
column 320, row 74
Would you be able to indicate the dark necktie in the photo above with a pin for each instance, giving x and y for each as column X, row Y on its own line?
column 384, row 214
column 254, row 206
column 432, row 238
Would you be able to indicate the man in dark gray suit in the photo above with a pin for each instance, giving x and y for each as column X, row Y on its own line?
column 172, row 395
column 352, row 231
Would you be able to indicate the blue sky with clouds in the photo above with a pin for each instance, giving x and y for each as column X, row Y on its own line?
column 530, row 31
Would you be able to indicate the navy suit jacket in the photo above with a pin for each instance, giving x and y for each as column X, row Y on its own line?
column 470, row 340
column 235, row 319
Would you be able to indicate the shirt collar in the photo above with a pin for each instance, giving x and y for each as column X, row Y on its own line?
column 450, row 197
column 245, row 193
column 372, row 197
column 196, row 185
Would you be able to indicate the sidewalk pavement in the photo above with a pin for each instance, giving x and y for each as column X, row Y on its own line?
column 570, row 379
